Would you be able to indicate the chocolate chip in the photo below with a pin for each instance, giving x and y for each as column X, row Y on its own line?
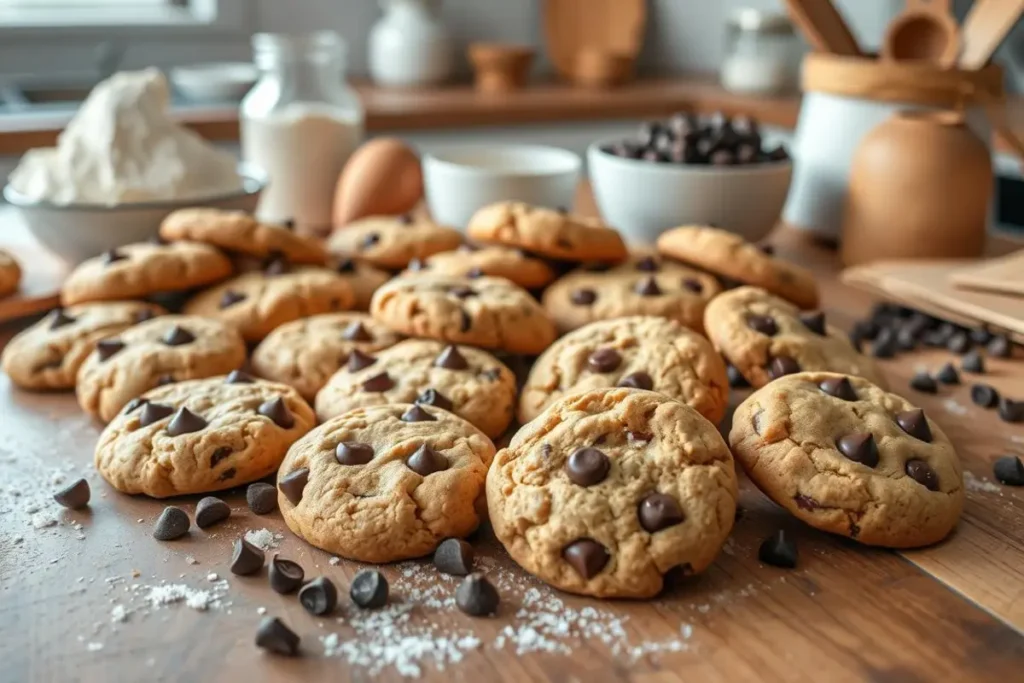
column 454, row 556
column 154, row 412
column 433, row 397
column 357, row 360
column 973, row 363
column 815, row 322
column 947, row 374
column 604, row 360
column 218, row 455
column 1000, row 347
column 476, row 596
column 405, row 219
column 262, row 498
column 782, row 366
column 277, row 410
column 164, row 380
column 273, row 636
column 353, row 453
column 586, row 556
column 914, row 422
column 923, row 474
column 1009, row 470
column 647, row 264
column 227, row 474
column 285, row 576
column 906, row 340
column 426, row 461
column 379, row 383
column 134, row 405
column 583, row 297
column 356, row 331
column 981, row 335
column 466, row 322
column 171, row 524
column 369, row 240
column 105, row 348
column 319, row 596
column 767, row 249
column 369, row 589
column 736, row 378
column 185, row 422
column 75, row 496
column 230, row 297
column 885, row 345
column 293, row 483
column 985, row 396
column 417, row 414
column 924, row 383
column 144, row 315
column 474, row 273
column 859, row 448
column 345, row 266
column 778, row 551
column 246, row 558
column 659, row 511
column 637, row 380
column 839, row 387
column 959, row 343
column 59, row 319
column 806, row 502
column 692, row 285
column 211, row 510
column 462, row 292
column 1010, row 410
column 451, row 359
column 239, row 377
column 113, row 256
column 276, row 264
column 588, row 466
column 491, row 374
column 647, row 287
column 178, row 336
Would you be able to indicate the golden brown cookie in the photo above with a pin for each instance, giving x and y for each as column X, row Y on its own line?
column 471, row 261
column 239, row 232
column 392, row 242
column 363, row 278
column 10, row 273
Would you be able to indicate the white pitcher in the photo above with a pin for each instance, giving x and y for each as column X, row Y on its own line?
column 410, row 45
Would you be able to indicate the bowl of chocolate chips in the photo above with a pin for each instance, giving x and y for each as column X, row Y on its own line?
column 688, row 169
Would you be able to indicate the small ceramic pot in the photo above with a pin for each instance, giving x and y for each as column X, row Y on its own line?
column 410, row 46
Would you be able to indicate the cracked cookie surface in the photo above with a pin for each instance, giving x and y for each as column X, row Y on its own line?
column 371, row 487
column 766, row 337
column 392, row 242
column 239, row 232
column 201, row 435
column 10, row 273
column 658, row 493
column 514, row 265
column 469, row 382
column 488, row 312
column 638, row 352
column 849, row 458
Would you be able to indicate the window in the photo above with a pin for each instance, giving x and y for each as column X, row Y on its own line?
column 91, row 14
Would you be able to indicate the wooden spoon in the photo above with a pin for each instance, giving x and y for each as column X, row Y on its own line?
column 823, row 26
column 985, row 28
column 924, row 31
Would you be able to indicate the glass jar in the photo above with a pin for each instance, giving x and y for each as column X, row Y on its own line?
column 762, row 54
column 300, row 123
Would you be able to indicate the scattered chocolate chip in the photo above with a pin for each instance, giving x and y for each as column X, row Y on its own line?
column 59, row 319
column 171, row 524
column 973, row 363
column 433, row 397
column 647, row 287
column 604, row 360
column 277, row 410
column 1010, row 410
column 454, row 556
column 357, row 360
column 75, row 496
column 1000, row 347
column 185, row 422
column 246, row 558
column 178, row 336
column 273, row 636
column 230, row 297
column 261, row 497
column 417, row 414
column 637, row 380
column 586, row 556
column 356, row 331
column 476, row 596
column 981, row 335
column 859, row 448
column 960, row 343
column 1009, row 470
column 239, row 377
column 885, row 345
column 583, row 297
column 451, row 359
column 319, row 596
column 947, row 374
column 647, row 264
column 736, row 378
column 914, row 422
column 293, row 483
column 346, row 266
column 924, row 383
column 906, row 339
column 659, row 511
column 154, row 412
column 105, row 348
column 211, row 510
column 985, row 396
column 462, row 292
column 379, row 383
column 778, row 551
column 113, row 256
column 588, row 466
column 426, row 461
column 782, row 366
column 839, row 387
column 369, row 589
column 285, row 576
column 814, row 321
column 765, row 324
column 692, row 285
column 923, row 474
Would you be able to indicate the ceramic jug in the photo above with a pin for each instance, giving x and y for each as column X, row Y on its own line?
column 409, row 45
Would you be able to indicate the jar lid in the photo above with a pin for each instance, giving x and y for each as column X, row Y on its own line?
column 756, row 21
column 318, row 46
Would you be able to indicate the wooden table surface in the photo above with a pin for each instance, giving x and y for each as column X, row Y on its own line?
column 847, row 613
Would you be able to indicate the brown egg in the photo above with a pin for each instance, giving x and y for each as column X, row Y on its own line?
column 382, row 177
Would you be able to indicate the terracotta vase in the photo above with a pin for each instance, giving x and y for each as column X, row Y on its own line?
column 920, row 187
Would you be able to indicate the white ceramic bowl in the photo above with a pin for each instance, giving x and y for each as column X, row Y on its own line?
column 460, row 180
column 644, row 199
column 76, row 232
column 215, row 82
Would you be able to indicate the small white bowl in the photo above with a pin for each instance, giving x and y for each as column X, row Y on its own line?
column 76, row 232
column 643, row 199
column 215, row 82
column 460, row 180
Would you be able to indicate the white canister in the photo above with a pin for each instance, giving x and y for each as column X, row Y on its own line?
column 409, row 45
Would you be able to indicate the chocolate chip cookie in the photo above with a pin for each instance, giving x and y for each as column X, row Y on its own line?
column 610, row 489
column 640, row 353
column 239, row 232
column 391, row 242
column 10, row 273
column 375, row 485
column 488, row 312
column 849, row 458
column 765, row 337
column 547, row 232
column 257, row 302
column 305, row 353
column 201, row 435
column 136, row 271
column 47, row 355
column 160, row 351
column 472, row 261
column 469, row 382
column 732, row 257
column 362, row 278
column 644, row 285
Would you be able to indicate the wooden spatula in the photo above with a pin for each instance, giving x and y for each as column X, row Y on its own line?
column 823, row 26
column 985, row 28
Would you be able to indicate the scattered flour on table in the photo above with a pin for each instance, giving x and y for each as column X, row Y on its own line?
column 953, row 407
column 980, row 484
column 264, row 539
